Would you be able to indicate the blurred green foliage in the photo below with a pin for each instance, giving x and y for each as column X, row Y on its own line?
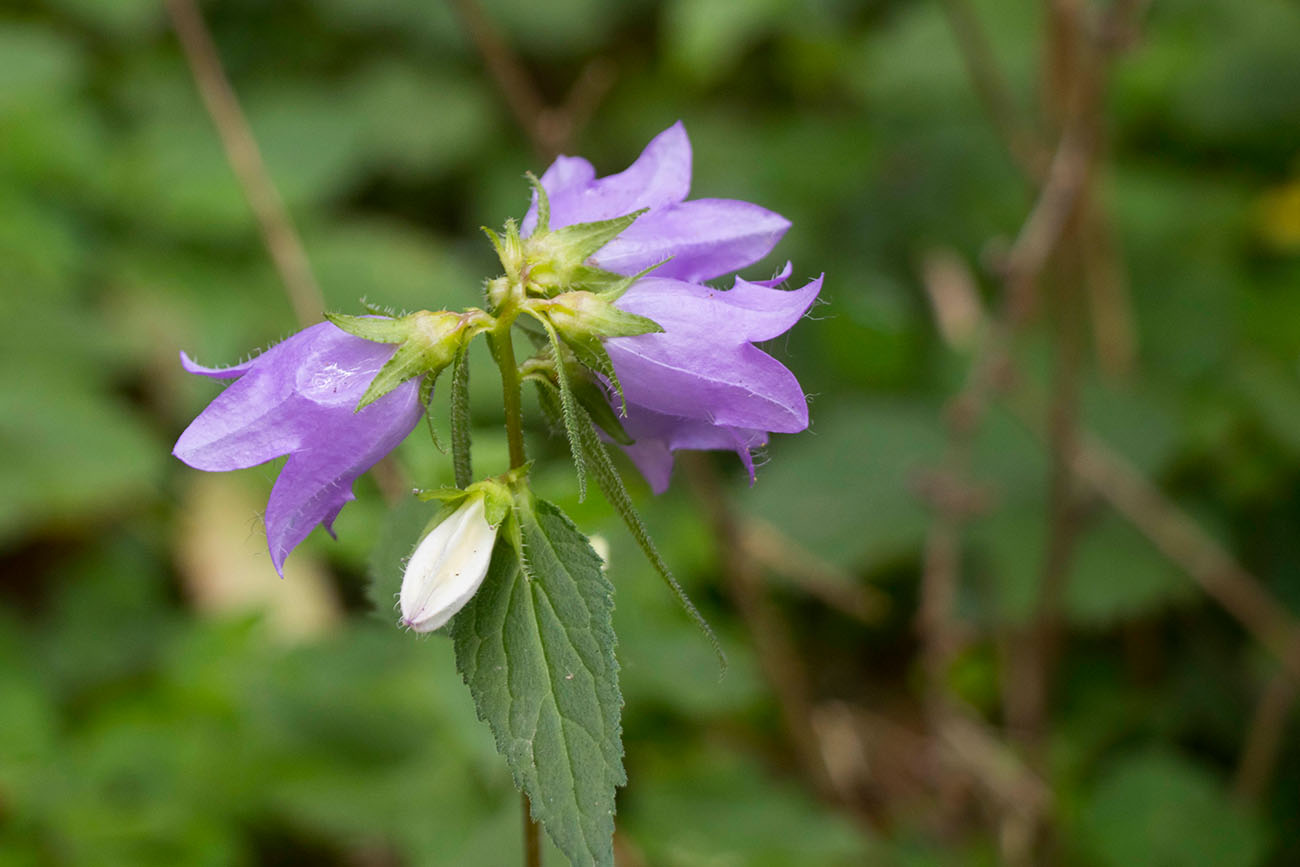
column 141, row 725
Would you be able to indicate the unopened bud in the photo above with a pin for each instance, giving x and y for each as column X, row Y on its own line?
column 581, row 316
column 427, row 341
column 448, row 566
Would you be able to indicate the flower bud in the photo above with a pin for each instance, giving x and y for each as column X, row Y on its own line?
column 581, row 315
column 427, row 341
column 448, row 566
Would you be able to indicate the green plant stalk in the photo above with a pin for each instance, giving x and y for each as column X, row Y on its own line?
column 512, row 393
column 511, row 389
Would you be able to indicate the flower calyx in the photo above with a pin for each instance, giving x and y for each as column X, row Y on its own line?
column 428, row 341
column 497, row 495
column 553, row 261
column 581, row 317
column 581, row 320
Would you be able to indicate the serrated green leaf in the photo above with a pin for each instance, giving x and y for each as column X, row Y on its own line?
column 538, row 656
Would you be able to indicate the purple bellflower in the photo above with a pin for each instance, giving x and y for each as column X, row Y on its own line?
column 701, row 383
column 299, row 399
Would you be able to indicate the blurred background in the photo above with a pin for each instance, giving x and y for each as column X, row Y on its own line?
column 1027, row 592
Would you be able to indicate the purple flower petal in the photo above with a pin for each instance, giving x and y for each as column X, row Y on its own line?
column 781, row 276
column 658, row 436
column 748, row 312
column 700, row 383
column 735, row 386
column 232, row 372
column 660, row 176
column 316, row 482
column 703, row 239
column 299, row 399
column 654, row 459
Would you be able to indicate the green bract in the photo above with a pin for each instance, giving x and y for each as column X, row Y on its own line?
column 428, row 341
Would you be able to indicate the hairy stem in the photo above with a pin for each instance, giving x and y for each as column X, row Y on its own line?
column 503, row 348
column 511, row 390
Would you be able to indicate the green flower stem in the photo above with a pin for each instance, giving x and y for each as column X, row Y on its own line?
column 503, row 346
column 511, row 389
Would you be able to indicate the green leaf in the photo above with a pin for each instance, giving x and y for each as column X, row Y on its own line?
column 538, row 656
column 876, row 449
column 568, row 409
column 591, row 397
column 592, row 355
column 1114, row 575
column 755, row 817
column 72, row 452
column 1157, row 808
column 39, row 64
column 611, row 485
column 426, row 401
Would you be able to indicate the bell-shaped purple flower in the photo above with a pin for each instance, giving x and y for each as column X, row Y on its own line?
column 701, row 383
column 299, row 399
column 703, row 238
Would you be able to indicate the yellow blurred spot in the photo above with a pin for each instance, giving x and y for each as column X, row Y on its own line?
column 226, row 569
column 1279, row 216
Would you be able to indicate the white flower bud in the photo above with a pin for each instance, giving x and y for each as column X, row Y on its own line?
column 447, row 567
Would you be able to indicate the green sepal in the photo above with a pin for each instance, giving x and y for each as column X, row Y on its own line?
column 592, row 355
column 581, row 241
column 446, row 495
column 583, row 320
column 428, row 341
column 582, row 313
column 508, row 245
column 379, row 329
column 615, row 289
column 498, row 497
column 556, row 261
column 376, row 310
column 407, row 362
column 543, row 203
